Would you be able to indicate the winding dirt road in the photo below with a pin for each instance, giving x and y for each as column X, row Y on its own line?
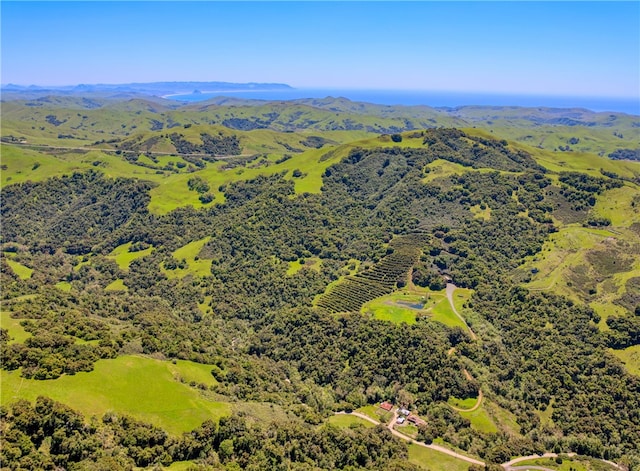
column 450, row 289
column 477, row 404
column 511, row 465
column 432, row 446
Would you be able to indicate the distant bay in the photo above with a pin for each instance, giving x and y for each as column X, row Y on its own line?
column 434, row 99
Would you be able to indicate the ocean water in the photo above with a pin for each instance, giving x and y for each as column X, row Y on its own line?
column 434, row 99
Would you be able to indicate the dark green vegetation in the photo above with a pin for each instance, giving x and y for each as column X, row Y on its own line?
column 118, row 442
column 213, row 285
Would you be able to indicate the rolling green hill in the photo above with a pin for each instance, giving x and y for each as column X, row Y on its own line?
column 232, row 273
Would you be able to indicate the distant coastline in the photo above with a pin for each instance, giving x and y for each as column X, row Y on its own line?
column 211, row 93
column 426, row 98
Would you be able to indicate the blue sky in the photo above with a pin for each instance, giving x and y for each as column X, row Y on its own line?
column 551, row 48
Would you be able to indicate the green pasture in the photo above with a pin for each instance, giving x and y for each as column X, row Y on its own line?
column 116, row 285
column 23, row 272
column 181, row 466
column 606, row 258
column 376, row 413
column 123, row 257
column 560, row 251
column 443, row 168
column 263, row 412
column 63, row 286
column 17, row 334
column 407, row 429
column 569, row 463
column 630, row 356
column 297, row 265
column 433, row 460
column 173, row 192
column 147, row 389
column 503, row 418
column 480, row 420
column 480, row 213
column 348, row 421
column 189, row 252
column 391, row 308
column 618, row 205
column 396, row 307
column 467, row 403
column 588, row 163
column 596, row 141
column 27, row 164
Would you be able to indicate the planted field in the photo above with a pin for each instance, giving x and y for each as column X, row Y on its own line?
column 356, row 290
column 147, row 389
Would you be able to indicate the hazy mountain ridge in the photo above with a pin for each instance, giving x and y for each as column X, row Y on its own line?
column 85, row 120
column 12, row 91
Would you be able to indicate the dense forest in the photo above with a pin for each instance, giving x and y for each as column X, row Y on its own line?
column 286, row 339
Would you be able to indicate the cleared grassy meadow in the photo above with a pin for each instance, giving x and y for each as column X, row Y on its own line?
column 23, row 272
column 189, row 252
column 407, row 305
column 124, row 257
column 433, row 460
column 17, row 334
column 142, row 387
column 348, row 421
column 630, row 356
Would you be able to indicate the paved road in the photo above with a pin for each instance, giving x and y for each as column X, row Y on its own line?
column 432, row 446
column 450, row 289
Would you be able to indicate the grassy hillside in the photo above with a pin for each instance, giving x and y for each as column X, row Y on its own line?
column 155, row 391
column 113, row 274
